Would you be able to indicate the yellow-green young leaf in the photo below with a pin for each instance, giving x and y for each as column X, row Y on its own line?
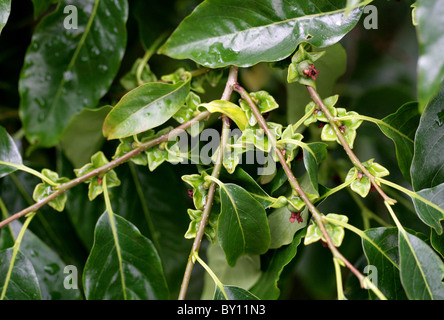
column 145, row 107
column 231, row 110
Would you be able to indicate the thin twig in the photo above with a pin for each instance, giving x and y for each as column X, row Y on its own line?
column 354, row 159
column 232, row 79
column 106, row 168
column 295, row 184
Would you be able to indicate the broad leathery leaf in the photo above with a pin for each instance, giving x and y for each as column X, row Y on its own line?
column 243, row 226
column 244, row 274
column 66, row 69
column 5, row 10
column 236, row 293
column 430, row 32
column 23, row 282
column 283, row 226
column 401, row 128
column 427, row 170
column 83, row 135
column 266, row 288
column 243, row 33
column 145, row 107
column 8, row 153
column 48, row 266
column 382, row 252
column 140, row 264
column 233, row 111
column 422, row 270
column 428, row 213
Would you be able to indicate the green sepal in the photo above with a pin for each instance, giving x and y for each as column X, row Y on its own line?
column 200, row 191
column 347, row 127
column 196, row 218
column 165, row 151
column 335, row 232
column 254, row 135
column 317, row 114
column 129, row 143
column 361, row 184
column 264, row 102
column 213, row 77
column 44, row 189
column 95, row 187
column 179, row 75
column 290, row 149
column 188, row 111
column 129, row 81
column 295, row 202
column 300, row 61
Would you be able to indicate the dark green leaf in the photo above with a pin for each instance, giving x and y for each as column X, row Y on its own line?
column 430, row 32
column 23, row 282
column 145, row 107
column 121, row 251
column 220, row 33
column 429, row 214
column 382, row 252
column 266, row 287
column 67, row 69
column 437, row 242
column 48, row 266
column 5, row 9
column 40, row 6
column 83, row 135
column 311, row 162
column 422, row 270
column 427, row 169
column 8, row 153
column 234, row 293
column 401, row 128
column 242, row 226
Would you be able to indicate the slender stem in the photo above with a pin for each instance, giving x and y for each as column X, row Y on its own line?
column 15, row 250
column 232, row 79
column 112, row 222
column 148, row 54
column 339, row 288
column 212, row 275
column 295, row 184
column 354, row 159
column 31, row 171
column 112, row 164
column 302, row 120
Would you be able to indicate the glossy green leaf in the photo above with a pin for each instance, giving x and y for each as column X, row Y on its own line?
column 312, row 163
column 5, row 10
column 242, row 226
column 427, row 170
column 430, row 31
column 121, row 251
column 83, row 135
column 67, row 69
column 284, row 224
column 422, row 270
column 233, row 111
column 266, row 287
column 48, row 266
column 428, row 213
column 381, row 250
column 401, row 127
column 145, row 107
column 235, row 293
column 23, row 282
column 245, row 33
column 8, row 153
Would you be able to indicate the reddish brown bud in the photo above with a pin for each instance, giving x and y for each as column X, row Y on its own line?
column 190, row 193
column 342, row 128
column 99, row 180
